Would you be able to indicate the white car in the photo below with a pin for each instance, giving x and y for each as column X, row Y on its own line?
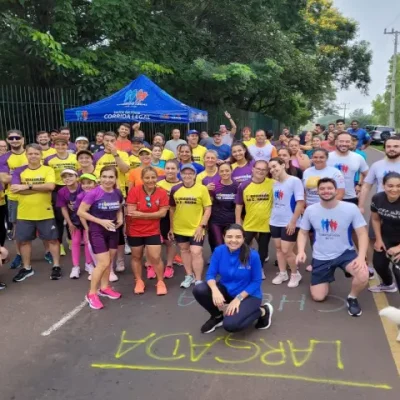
column 380, row 133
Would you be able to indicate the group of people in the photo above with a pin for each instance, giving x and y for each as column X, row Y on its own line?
column 120, row 194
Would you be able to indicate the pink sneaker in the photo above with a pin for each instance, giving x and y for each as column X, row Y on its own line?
column 110, row 293
column 94, row 301
column 151, row 274
column 169, row 272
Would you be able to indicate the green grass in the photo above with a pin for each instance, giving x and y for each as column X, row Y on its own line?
column 377, row 146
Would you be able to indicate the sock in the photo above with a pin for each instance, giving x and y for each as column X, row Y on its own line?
column 351, row 297
column 28, row 267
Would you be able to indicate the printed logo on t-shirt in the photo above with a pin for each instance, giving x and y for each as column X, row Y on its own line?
column 109, row 206
column 225, row 196
column 257, row 197
column 387, row 172
column 342, row 168
column 278, row 194
column 329, row 225
column 186, row 200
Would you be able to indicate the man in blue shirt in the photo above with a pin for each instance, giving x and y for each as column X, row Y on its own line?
column 223, row 150
column 364, row 140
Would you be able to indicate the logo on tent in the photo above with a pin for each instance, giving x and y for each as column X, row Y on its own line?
column 82, row 115
column 135, row 97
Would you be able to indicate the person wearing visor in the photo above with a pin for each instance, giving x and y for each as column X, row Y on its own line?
column 81, row 143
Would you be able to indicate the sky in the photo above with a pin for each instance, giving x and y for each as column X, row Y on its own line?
column 373, row 17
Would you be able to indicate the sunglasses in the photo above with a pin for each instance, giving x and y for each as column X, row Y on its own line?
column 148, row 200
column 14, row 138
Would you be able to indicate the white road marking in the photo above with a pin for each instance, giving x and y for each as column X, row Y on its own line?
column 373, row 148
column 64, row 319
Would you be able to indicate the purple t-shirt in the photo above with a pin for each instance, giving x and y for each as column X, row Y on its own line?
column 66, row 198
column 104, row 205
column 211, row 179
column 243, row 174
column 223, row 207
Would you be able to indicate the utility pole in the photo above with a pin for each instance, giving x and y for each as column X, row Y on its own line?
column 393, row 85
column 344, row 108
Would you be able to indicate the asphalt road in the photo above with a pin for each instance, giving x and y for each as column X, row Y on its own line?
column 149, row 347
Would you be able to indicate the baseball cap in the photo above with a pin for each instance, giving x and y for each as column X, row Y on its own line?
column 87, row 152
column 217, row 133
column 137, row 140
column 61, row 138
column 193, row 132
column 188, row 166
column 91, row 177
column 69, row 171
column 82, row 138
column 144, row 150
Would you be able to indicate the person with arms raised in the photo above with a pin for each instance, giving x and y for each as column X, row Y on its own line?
column 228, row 136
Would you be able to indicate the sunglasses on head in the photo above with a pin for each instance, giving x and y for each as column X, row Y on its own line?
column 14, row 138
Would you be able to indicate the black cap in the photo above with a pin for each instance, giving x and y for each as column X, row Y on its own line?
column 87, row 152
column 216, row 133
column 137, row 140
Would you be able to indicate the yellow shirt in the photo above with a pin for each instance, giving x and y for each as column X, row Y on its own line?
column 49, row 152
column 167, row 155
column 102, row 159
column 249, row 142
column 2, row 195
column 167, row 186
column 8, row 163
column 257, row 199
column 59, row 164
column 35, row 206
column 198, row 154
column 189, row 206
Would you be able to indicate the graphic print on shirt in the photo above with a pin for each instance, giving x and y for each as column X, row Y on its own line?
column 278, row 194
column 343, row 168
column 108, row 206
column 329, row 225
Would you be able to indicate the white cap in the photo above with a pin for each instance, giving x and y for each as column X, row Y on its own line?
column 82, row 138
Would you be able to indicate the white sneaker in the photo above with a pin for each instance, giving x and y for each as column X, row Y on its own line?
column 294, row 280
column 120, row 266
column 75, row 272
column 262, row 274
column 127, row 249
column 113, row 277
column 89, row 277
column 280, row 278
column 89, row 268
column 189, row 280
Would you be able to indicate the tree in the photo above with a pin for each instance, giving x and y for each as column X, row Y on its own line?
column 363, row 119
column 381, row 104
column 278, row 57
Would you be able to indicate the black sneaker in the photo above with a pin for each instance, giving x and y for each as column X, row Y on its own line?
column 55, row 273
column 353, row 307
column 2, row 285
column 265, row 321
column 275, row 263
column 212, row 324
column 23, row 274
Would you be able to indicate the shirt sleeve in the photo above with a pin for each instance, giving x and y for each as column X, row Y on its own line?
column 274, row 152
column 371, row 176
column 213, row 268
column 50, row 176
column 205, row 197
column 298, row 190
column 339, row 179
column 239, row 196
column 90, row 197
column 4, row 168
column 172, row 198
column 374, row 207
column 305, row 223
column 16, row 177
column 132, row 198
column 358, row 219
column 256, row 277
column 62, row 200
column 164, row 200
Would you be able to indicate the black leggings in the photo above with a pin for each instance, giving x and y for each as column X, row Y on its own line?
column 216, row 235
column 263, row 239
column 382, row 263
column 249, row 310
column 3, row 229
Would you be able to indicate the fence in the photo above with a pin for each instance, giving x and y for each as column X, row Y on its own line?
column 31, row 109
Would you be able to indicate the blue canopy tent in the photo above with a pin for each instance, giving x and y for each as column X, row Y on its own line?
column 142, row 100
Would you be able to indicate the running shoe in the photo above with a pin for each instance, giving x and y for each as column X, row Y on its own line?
column 69, row 241
column 168, row 272
column 110, row 293
column 75, row 273
column 189, row 280
column 56, row 273
column 94, row 301
column 371, row 272
column 113, row 277
column 2, row 286
column 62, row 250
column 264, row 322
column 120, row 267
column 294, row 280
column 23, row 274
column 17, row 262
column 178, row 261
column 10, row 235
column 139, row 287
column 280, row 278
column 263, row 274
column 48, row 257
column 212, row 324
column 161, row 289
column 353, row 307
column 127, row 249
column 89, row 268
column 383, row 288
column 151, row 274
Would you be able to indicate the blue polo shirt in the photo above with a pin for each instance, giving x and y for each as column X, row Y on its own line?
column 362, row 134
column 224, row 151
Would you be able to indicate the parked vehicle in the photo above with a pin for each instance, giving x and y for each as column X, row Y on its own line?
column 380, row 133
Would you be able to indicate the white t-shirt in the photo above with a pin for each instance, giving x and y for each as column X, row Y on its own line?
column 348, row 165
column 379, row 170
column 333, row 228
column 227, row 139
column 172, row 144
column 286, row 194
column 311, row 177
column 261, row 153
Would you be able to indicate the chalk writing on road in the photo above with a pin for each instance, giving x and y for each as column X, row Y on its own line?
column 259, row 357
column 186, row 299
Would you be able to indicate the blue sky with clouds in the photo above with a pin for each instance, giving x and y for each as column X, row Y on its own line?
column 373, row 17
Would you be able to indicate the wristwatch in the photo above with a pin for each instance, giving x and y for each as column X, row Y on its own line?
column 116, row 155
column 30, row 186
column 240, row 297
column 204, row 226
